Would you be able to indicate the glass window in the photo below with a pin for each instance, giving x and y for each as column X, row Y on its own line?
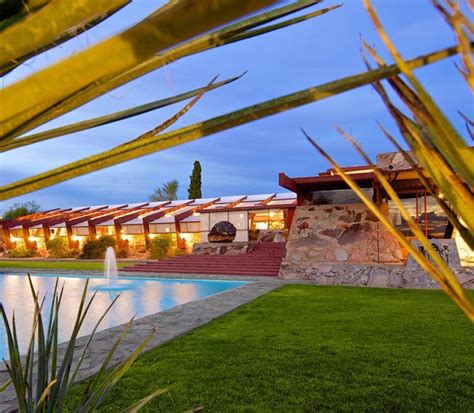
column 205, row 222
column 58, row 232
column 36, row 232
column 102, row 230
column 239, row 219
column 133, row 229
column 17, row 233
column 434, row 218
column 216, row 217
column 162, row 228
column 190, row 227
column 80, row 231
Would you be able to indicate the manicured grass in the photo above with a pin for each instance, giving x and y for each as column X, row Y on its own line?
column 307, row 349
column 59, row 265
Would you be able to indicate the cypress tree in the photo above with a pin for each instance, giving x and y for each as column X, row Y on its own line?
column 194, row 190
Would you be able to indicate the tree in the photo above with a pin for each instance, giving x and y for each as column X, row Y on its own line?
column 194, row 190
column 19, row 210
column 167, row 192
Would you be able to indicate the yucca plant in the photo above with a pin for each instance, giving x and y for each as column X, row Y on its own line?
column 440, row 156
column 44, row 376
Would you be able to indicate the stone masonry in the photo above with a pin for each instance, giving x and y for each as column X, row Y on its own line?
column 339, row 233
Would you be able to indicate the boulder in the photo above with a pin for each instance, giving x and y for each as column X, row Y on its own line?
column 223, row 231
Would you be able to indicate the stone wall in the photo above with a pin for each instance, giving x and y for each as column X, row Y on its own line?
column 375, row 275
column 339, row 233
column 222, row 248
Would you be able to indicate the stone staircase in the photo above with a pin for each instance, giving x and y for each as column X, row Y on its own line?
column 264, row 260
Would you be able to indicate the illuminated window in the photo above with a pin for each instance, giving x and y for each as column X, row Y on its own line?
column 80, row 231
column 190, row 227
column 36, row 232
column 133, row 229
column 162, row 228
column 17, row 233
column 102, row 230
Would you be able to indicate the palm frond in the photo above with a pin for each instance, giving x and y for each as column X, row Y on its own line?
column 172, row 24
column 217, row 38
column 51, row 26
column 152, row 144
column 110, row 118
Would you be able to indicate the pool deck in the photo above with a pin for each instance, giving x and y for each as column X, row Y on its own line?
column 170, row 324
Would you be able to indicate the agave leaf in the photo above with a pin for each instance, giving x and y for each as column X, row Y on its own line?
column 446, row 179
column 462, row 26
column 174, row 23
column 452, row 217
column 5, row 385
column 463, row 301
column 91, row 336
column 152, row 144
column 405, row 214
column 42, row 399
column 136, row 407
column 447, row 140
column 104, row 387
column 86, row 395
column 270, row 28
column 173, row 119
column 27, row 8
column 52, row 26
column 417, row 147
column 113, row 117
column 204, row 42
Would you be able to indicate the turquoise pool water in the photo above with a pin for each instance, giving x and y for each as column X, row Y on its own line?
column 140, row 297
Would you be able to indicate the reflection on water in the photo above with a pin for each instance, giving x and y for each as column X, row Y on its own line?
column 142, row 297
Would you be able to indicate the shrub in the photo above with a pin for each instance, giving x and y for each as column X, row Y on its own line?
column 58, row 248
column 122, row 253
column 20, row 251
column 162, row 246
column 95, row 248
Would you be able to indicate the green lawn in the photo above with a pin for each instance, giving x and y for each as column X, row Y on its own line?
column 59, row 265
column 308, row 348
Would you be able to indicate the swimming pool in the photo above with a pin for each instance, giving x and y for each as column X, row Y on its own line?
column 140, row 297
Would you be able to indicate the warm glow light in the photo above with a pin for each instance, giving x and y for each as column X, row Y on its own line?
column 152, row 236
column 168, row 215
column 75, row 238
column 196, row 214
column 31, row 239
column 167, row 229
column 97, row 236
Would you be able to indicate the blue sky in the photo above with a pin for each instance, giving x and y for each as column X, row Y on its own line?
column 246, row 159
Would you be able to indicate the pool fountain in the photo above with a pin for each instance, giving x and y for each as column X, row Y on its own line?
column 110, row 266
column 111, row 273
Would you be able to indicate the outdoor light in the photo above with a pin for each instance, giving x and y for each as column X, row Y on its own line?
column 75, row 238
column 31, row 239
column 196, row 214
column 97, row 236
